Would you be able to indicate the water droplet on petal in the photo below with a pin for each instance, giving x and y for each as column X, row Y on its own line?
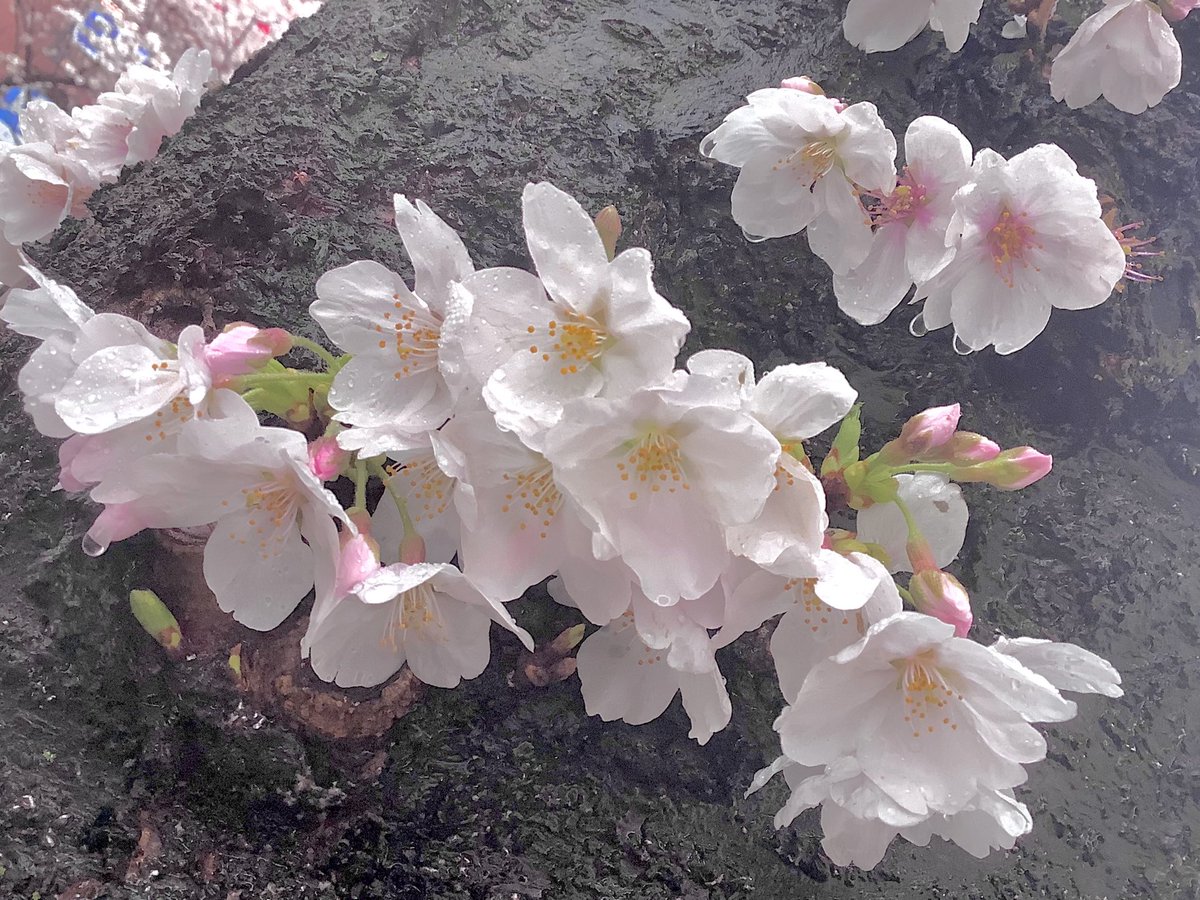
column 92, row 547
column 707, row 146
column 753, row 238
column 917, row 326
column 961, row 347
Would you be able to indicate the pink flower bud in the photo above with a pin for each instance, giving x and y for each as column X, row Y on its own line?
column 922, row 434
column 941, row 595
column 241, row 349
column 964, row 448
column 412, row 549
column 358, row 559
column 1010, row 471
column 804, row 84
column 1177, row 10
column 326, row 459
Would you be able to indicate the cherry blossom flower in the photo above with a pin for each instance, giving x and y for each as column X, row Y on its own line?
column 875, row 25
column 1126, row 52
column 38, row 189
column 166, row 101
column 859, row 820
column 909, row 243
column 429, row 615
column 518, row 526
column 125, row 374
column 661, row 473
column 53, row 314
column 394, row 384
column 1028, row 237
column 802, row 157
column 937, row 507
column 810, row 630
column 274, row 533
column 957, row 713
column 583, row 327
column 633, row 667
column 425, row 478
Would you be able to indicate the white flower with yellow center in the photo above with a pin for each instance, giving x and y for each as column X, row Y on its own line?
column 582, row 327
column 661, row 474
column 429, row 615
column 803, row 158
column 394, row 385
column 931, row 719
column 274, row 534
column 1028, row 237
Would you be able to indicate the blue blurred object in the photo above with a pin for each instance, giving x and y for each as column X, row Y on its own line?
column 95, row 24
column 11, row 103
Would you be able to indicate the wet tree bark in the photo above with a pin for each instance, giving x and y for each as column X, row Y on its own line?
column 495, row 791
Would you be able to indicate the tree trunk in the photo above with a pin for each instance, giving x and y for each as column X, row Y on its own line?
column 116, row 763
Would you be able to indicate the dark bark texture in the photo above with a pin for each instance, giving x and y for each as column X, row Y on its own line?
column 123, row 774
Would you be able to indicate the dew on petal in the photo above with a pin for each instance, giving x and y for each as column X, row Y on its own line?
column 917, row 327
column 92, row 547
column 753, row 238
column 961, row 347
column 707, row 146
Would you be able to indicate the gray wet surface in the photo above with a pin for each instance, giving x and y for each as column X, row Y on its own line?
column 489, row 792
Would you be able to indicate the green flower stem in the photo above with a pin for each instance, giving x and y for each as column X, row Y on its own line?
column 360, row 484
column 266, row 379
column 313, row 347
column 909, row 468
column 376, row 468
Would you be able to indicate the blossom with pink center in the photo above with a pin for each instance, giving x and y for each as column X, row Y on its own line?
column 877, row 25
column 426, row 478
column 1126, row 53
column 909, row 243
column 1028, row 237
column 803, row 158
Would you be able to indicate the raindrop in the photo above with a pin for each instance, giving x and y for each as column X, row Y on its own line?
column 92, row 547
column 961, row 347
column 707, row 145
column 917, row 326
column 753, row 238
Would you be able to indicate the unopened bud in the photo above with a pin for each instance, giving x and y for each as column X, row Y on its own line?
column 1010, row 471
column 608, row 224
column 1177, row 10
column 241, row 349
column 158, row 621
column 965, row 448
column 923, row 433
column 359, row 557
column 845, row 450
column 941, row 595
column 412, row 549
column 804, row 84
column 326, row 459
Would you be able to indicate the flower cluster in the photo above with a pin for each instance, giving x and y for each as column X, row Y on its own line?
column 1126, row 52
column 499, row 427
column 992, row 245
column 64, row 157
